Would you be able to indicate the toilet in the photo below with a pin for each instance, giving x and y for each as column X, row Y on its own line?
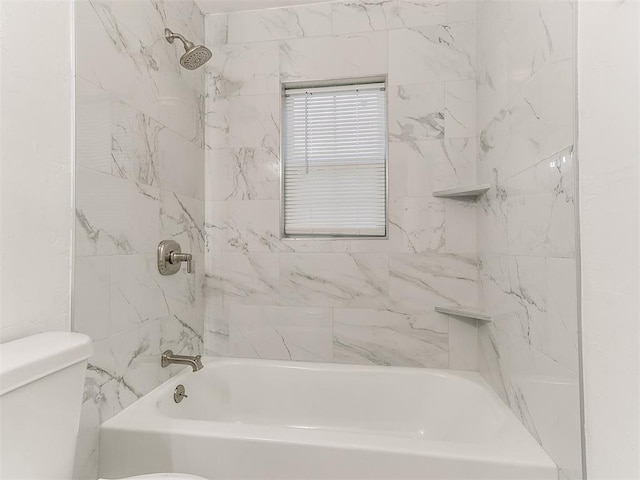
column 41, row 384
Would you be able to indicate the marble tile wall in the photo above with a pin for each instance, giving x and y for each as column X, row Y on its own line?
column 361, row 301
column 139, row 180
column 527, row 222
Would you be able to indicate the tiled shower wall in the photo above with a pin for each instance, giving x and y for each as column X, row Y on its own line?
column 361, row 301
column 527, row 221
column 139, row 180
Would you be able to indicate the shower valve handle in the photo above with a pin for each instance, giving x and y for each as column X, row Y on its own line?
column 170, row 257
column 176, row 258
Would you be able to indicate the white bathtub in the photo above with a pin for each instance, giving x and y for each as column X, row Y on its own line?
column 284, row 420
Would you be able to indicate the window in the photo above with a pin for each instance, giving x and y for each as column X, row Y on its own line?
column 335, row 161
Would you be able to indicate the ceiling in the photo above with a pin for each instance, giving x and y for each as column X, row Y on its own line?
column 223, row 6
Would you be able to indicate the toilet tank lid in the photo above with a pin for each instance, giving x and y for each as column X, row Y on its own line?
column 27, row 359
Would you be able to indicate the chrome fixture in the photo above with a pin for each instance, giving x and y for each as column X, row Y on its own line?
column 178, row 394
column 195, row 55
column 169, row 358
column 170, row 256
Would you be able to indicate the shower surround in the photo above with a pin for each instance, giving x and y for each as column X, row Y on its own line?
column 354, row 301
column 139, row 169
column 527, row 229
column 478, row 92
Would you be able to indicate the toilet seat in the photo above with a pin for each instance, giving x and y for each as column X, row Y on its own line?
column 162, row 476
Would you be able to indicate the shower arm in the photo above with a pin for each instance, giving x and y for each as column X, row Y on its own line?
column 170, row 36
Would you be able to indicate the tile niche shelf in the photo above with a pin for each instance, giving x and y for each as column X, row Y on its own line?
column 465, row 312
column 470, row 192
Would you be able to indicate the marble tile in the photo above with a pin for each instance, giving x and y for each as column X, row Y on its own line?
column 539, row 33
column 460, row 109
column 182, row 219
column 121, row 370
column 542, row 210
column 461, row 228
column 216, row 325
column 461, row 10
column 416, row 112
column 417, row 283
column 416, row 225
column 493, row 22
column 493, row 217
column 492, row 93
column 134, row 145
column 541, row 118
column 216, row 29
column 494, row 358
column 148, row 19
column 535, row 300
column 364, row 16
column 281, row 333
column 215, row 228
column 189, row 17
column 103, row 214
column 94, row 128
column 254, row 226
column 145, row 218
column 383, row 337
column 87, row 456
column 139, row 294
column 307, row 245
column 181, row 165
column 513, row 290
column 334, row 280
column 139, row 179
column 433, row 53
column 359, row 16
column 183, row 333
column 536, row 383
column 329, row 58
column 559, row 339
column 242, row 174
column 420, row 224
column 536, row 124
column 248, row 122
column 417, row 169
column 250, row 278
column 463, row 344
column 115, row 59
column 245, row 69
column 92, row 297
column 279, row 24
column 406, row 14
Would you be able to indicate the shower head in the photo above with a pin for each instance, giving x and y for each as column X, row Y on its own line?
column 195, row 55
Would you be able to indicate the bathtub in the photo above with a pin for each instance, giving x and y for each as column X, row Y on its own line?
column 291, row 420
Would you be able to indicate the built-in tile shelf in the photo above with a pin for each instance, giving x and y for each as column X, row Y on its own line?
column 465, row 312
column 473, row 191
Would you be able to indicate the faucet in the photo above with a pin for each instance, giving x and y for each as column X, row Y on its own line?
column 168, row 358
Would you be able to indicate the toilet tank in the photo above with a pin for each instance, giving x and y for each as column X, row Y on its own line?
column 41, row 384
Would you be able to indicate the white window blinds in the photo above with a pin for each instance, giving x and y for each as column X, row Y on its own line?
column 334, row 161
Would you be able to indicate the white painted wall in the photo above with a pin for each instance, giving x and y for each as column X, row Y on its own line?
column 609, row 81
column 36, row 153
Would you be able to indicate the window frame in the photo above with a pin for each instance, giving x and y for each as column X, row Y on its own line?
column 344, row 82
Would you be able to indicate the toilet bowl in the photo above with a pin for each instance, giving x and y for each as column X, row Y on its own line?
column 41, row 382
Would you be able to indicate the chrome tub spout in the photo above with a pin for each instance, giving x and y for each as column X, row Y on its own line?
column 169, row 358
